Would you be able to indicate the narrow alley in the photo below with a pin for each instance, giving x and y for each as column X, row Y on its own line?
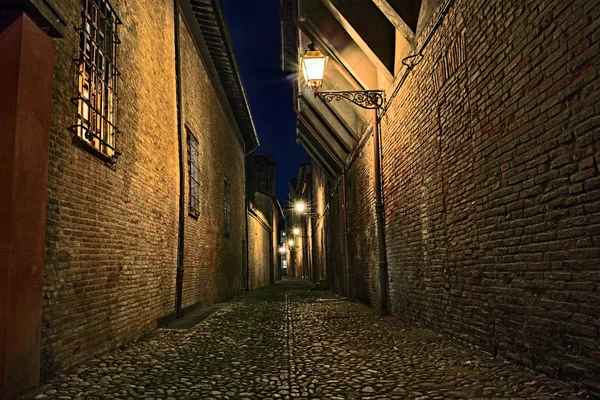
column 285, row 341
column 227, row 199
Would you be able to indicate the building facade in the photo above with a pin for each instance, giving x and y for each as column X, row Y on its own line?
column 266, row 175
column 488, row 157
column 136, row 177
column 264, row 215
column 298, row 225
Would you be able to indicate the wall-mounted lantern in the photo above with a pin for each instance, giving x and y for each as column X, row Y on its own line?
column 313, row 67
column 300, row 207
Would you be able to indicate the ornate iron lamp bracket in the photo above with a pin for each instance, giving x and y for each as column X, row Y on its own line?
column 369, row 99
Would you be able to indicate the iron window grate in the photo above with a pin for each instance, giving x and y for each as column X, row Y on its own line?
column 193, row 175
column 97, row 79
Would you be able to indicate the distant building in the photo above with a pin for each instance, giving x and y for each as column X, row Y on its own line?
column 283, row 249
column 265, row 175
column 264, row 215
column 298, row 225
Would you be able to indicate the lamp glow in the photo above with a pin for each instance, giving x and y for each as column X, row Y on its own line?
column 313, row 67
column 291, row 242
column 296, row 231
column 300, row 207
column 282, row 250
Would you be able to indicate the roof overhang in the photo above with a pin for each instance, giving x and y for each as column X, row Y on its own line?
column 321, row 130
column 317, row 150
column 366, row 42
column 205, row 19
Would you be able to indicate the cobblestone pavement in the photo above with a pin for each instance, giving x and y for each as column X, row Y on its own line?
column 280, row 342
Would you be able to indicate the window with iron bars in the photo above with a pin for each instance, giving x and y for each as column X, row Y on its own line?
column 227, row 208
column 193, row 175
column 96, row 83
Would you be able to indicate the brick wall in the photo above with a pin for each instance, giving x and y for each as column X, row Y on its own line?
column 275, row 250
column 265, row 204
column 328, row 240
column 299, row 258
column 362, row 248
column 339, row 266
column 295, row 254
column 213, row 260
column 490, row 168
column 492, row 201
column 112, row 234
column 320, row 197
column 259, row 248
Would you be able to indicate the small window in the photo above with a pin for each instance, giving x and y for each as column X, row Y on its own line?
column 193, row 175
column 227, row 208
column 96, row 92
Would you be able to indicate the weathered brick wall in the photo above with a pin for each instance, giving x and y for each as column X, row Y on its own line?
column 294, row 253
column 213, row 267
column 112, row 234
column 265, row 204
column 490, row 160
column 259, row 248
column 299, row 257
column 275, row 250
column 320, row 198
column 337, row 262
column 362, row 240
column 268, row 207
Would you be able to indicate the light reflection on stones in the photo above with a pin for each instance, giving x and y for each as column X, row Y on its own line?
column 262, row 346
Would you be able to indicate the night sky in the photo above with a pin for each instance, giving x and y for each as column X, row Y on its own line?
column 254, row 28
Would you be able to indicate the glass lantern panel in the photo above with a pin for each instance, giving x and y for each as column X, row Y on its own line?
column 313, row 68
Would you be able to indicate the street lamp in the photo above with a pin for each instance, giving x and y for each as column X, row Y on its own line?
column 313, row 68
column 296, row 231
column 300, row 207
column 291, row 242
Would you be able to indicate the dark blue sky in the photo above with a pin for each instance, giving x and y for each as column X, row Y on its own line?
column 254, row 28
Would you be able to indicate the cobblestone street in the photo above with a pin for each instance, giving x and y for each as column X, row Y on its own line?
column 284, row 341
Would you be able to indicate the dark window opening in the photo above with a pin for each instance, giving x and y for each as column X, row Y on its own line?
column 193, row 175
column 96, row 92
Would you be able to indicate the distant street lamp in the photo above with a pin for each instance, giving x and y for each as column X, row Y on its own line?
column 296, row 231
column 291, row 242
column 282, row 250
column 300, row 207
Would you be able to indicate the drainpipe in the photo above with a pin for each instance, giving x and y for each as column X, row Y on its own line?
column 383, row 265
column 246, row 244
column 180, row 239
column 272, row 248
column 305, row 256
